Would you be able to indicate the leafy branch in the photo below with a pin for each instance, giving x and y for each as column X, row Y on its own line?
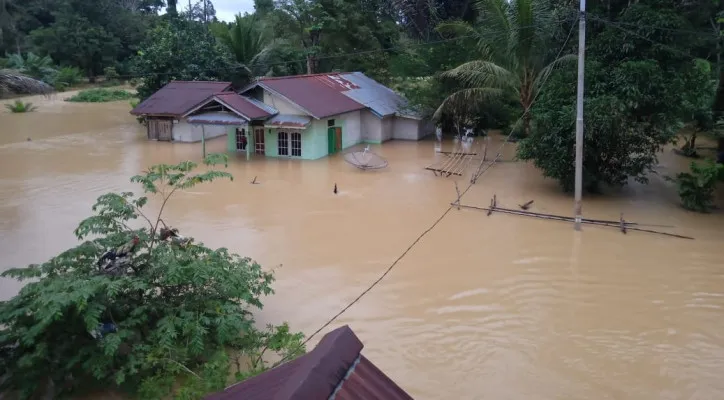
column 150, row 327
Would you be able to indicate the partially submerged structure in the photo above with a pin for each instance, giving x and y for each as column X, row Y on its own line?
column 335, row 369
column 165, row 110
column 304, row 116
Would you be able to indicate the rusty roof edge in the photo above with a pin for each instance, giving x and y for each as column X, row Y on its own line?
column 338, row 348
column 349, row 373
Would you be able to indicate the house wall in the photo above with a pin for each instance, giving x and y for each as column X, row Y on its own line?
column 185, row 132
column 282, row 105
column 231, row 139
column 375, row 129
column 351, row 128
column 371, row 127
column 387, row 127
column 314, row 141
column 406, row 129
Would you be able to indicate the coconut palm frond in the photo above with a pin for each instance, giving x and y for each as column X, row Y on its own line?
column 466, row 99
column 548, row 69
column 479, row 73
column 14, row 82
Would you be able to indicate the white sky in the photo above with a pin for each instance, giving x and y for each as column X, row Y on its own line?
column 226, row 9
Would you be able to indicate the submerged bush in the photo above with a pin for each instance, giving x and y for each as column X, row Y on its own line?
column 696, row 188
column 159, row 314
column 20, row 107
column 101, row 95
column 67, row 77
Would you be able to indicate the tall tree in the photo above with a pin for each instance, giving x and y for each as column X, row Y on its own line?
column 514, row 42
column 183, row 50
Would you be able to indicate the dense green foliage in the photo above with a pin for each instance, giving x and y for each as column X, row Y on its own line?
column 19, row 106
column 182, row 50
column 640, row 91
column 167, row 317
column 101, row 95
column 696, row 188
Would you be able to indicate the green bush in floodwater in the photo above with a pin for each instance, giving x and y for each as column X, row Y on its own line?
column 19, row 107
column 158, row 316
column 101, row 95
column 696, row 188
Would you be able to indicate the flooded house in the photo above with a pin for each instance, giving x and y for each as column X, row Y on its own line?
column 335, row 369
column 165, row 110
column 303, row 116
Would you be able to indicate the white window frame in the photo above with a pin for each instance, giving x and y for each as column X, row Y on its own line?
column 295, row 137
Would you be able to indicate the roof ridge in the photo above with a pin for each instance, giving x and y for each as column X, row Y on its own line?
column 228, row 83
column 273, row 78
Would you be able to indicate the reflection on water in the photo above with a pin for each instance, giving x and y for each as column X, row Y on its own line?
column 499, row 307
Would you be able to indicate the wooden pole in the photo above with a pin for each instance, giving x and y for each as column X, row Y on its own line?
column 203, row 140
column 458, row 192
column 570, row 219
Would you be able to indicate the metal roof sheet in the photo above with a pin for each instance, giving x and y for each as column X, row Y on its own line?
column 271, row 110
column 288, row 120
column 335, row 366
column 243, row 105
column 324, row 95
column 217, row 118
column 178, row 97
column 320, row 95
column 378, row 97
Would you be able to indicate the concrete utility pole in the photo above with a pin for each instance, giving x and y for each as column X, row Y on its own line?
column 579, row 114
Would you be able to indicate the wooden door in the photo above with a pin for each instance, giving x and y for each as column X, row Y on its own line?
column 165, row 129
column 160, row 129
column 151, row 129
column 338, row 139
column 259, row 147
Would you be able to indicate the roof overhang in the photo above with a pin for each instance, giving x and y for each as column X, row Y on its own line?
column 218, row 100
column 217, row 118
column 288, row 121
column 267, row 88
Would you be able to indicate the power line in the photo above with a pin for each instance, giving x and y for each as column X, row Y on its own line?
column 438, row 220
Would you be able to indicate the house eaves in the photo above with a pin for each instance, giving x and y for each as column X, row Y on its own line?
column 274, row 92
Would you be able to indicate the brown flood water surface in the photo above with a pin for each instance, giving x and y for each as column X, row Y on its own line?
column 499, row 307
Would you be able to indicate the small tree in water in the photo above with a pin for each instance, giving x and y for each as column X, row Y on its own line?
column 159, row 314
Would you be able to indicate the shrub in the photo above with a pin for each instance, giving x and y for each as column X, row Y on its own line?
column 696, row 188
column 163, row 314
column 101, row 95
column 19, row 107
column 33, row 65
column 67, row 77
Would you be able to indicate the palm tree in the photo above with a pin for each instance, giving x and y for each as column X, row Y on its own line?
column 15, row 82
column 513, row 38
column 245, row 39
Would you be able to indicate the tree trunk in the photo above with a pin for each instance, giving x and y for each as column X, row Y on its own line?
column 311, row 64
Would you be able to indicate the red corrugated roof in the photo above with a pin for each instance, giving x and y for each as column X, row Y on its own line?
column 178, row 97
column 319, row 94
column 241, row 105
column 334, row 365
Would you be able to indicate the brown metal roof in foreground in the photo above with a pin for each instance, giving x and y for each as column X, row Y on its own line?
column 178, row 97
column 335, row 369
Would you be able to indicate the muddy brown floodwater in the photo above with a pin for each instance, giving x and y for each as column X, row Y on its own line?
column 499, row 307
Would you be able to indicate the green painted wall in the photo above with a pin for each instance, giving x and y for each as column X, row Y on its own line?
column 271, row 141
column 314, row 141
column 231, row 139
